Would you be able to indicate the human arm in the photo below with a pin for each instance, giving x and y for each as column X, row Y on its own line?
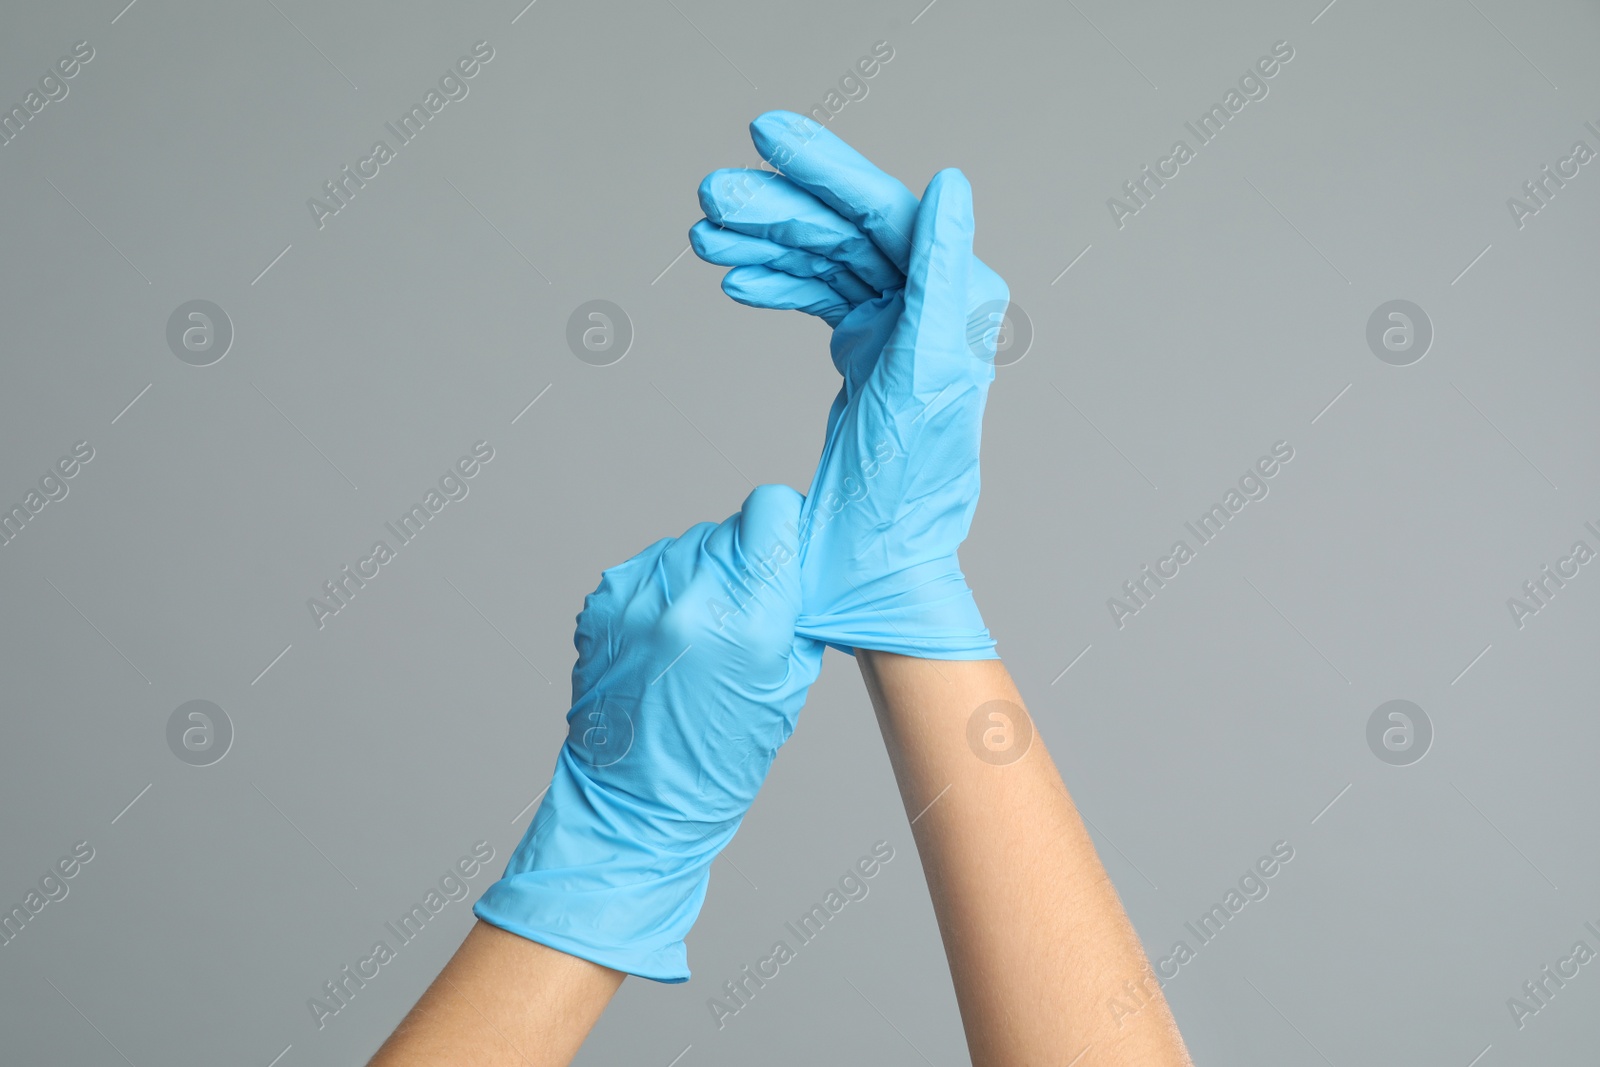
column 1037, row 939
column 502, row 1001
column 689, row 677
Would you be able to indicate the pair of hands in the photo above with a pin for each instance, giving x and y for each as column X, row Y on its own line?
column 695, row 656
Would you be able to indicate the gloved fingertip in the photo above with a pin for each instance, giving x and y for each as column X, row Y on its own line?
column 703, row 238
column 778, row 135
column 773, row 125
column 773, row 508
column 769, row 522
column 951, row 194
column 706, row 194
column 743, row 284
column 726, row 191
column 777, row 115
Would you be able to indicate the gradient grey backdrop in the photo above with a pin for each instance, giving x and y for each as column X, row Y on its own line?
column 426, row 315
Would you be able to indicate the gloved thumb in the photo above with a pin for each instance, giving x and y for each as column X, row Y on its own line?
column 929, row 346
column 754, row 573
column 769, row 539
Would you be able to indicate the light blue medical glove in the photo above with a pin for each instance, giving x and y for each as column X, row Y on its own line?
column 689, row 677
column 828, row 233
column 898, row 482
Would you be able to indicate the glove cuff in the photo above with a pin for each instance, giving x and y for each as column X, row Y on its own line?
column 584, row 881
column 926, row 611
column 602, row 924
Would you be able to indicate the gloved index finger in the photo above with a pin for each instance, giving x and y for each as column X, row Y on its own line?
column 815, row 159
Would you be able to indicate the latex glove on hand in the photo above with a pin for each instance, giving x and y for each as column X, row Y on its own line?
column 689, row 677
column 916, row 317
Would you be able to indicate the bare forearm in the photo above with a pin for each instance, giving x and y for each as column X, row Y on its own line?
column 502, row 1000
column 1037, row 939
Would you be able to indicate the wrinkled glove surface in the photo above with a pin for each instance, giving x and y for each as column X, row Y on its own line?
column 689, row 677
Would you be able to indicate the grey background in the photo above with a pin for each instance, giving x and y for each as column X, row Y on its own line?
column 425, row 316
